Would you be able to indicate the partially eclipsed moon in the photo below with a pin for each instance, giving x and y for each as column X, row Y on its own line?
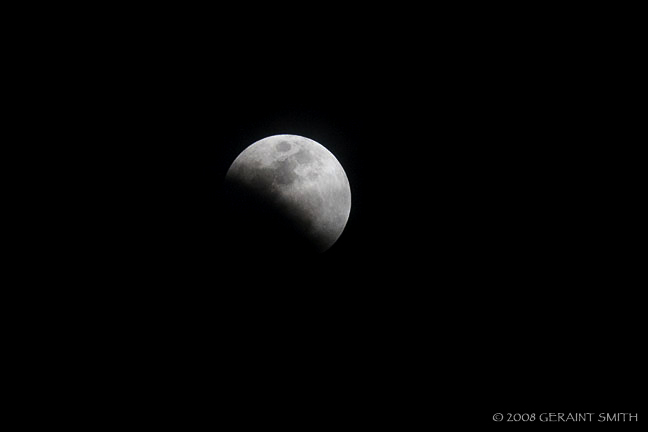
column 289, row 189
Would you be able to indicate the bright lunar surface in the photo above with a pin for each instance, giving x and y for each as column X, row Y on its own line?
column 288, row 192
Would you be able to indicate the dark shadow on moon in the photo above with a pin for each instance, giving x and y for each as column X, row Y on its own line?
column 259, row 224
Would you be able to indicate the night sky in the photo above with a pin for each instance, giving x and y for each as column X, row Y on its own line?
column 483, row 263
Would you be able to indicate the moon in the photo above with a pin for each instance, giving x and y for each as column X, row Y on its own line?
column 288, row 192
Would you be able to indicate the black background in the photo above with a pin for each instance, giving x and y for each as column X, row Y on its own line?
column 487, row 264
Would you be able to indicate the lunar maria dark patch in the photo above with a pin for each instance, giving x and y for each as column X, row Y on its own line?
column 283, row 146
column 283, row 172
column 303, row 156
